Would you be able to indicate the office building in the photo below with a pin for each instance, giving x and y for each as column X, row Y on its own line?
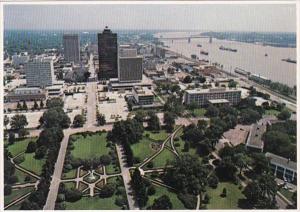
column 71, row 48
column 283, row 168
column 25, row 94
column 108, row 54
column 130, row 65
column 203, row 97
column 254, row 141
column 142, row 95
column 20, row 59
column 39, row 72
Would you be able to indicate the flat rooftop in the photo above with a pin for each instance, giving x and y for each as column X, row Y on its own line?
column 212, row 90
column 281, row 161
column 255, row 136
column 218, row 101
column 143, row 91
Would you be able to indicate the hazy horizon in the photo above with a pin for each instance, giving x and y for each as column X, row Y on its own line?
column 166, row 17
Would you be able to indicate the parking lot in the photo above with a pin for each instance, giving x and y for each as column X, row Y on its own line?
column 114, row 108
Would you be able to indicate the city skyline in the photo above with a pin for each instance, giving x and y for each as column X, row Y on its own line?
column 220, row 17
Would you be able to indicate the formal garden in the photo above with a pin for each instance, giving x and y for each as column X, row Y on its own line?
column 28, row 164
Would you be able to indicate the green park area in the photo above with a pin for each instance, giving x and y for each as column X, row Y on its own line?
column 288, row 194
column 149, row 144
column 21, row 177
column 19, row 146
column 271, row 112
column 161, row 160
column 89, row 146
column 231, row 201
column 93, row 203
column 32, row 164
column 15, row 194
column 159, row 191
column 198, row 112
column 97, row 202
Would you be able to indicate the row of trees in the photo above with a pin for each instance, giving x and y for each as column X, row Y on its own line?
column 34, row 107
column 49, row 139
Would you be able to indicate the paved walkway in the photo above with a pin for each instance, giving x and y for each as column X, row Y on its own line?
column 125, row 172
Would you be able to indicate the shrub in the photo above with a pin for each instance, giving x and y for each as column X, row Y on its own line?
column 7, row 189
column 120, row 201
column 12, row 179
column 31, row 147
column 121, row 190
column 27, row 178
column 206, row 199
column 189, row 201
column 105, row 160
column 224, row 192
column 151, row 190
column 72, row 195
column 213, row 181
column 107, row 191
column 150, row 165
column 177, row 144
column 40, row 152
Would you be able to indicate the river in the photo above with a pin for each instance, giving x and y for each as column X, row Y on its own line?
column 249, row 57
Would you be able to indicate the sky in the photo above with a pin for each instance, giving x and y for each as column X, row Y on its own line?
column 229, row 17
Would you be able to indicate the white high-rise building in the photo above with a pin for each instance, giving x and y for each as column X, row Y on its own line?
column 71, row 48
column 39, row 72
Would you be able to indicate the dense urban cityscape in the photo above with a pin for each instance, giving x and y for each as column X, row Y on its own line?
column 113, row 119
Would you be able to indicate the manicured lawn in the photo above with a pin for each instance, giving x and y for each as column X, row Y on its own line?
column 271, row 112
column 176, row 203
column 32, row 164
column 15, row 194
column 199, row 112
column 70, row 185
column 21, row 176
column 286, row 193
column 70, row 174
column 93, row 203
column 142, row 149
column 112, row 169
column 161, row 159
column 90, row 146
column 19, row 146
column 228, row 202
column 157, row 136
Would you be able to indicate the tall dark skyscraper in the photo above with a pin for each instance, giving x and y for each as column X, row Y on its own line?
column 108, row 54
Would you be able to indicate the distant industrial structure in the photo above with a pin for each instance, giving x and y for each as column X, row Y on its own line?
column 203, row 97
column 71, row 45
column 39, row 72
column 108, row 54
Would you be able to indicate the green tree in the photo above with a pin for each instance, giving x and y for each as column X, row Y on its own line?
column 153, row 122
column 11, row 138
column 101, row 119
column 162, row 203
column 18, row 122
column 19, row 106
column 241, row 161
column 232, row 84
column 284, row 115
column 24, row 107
column 139, row 187
column 6, row 121
column 249, row 116
column 187, row 175
column 35, row 105
column 212, row 111
column 55, row 102
column 41, row 104
column 169, row 120
column 107, row 190
column 78, row 121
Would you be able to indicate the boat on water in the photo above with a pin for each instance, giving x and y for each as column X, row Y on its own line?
column 227, row 49
column 204, row 52
column 289, row 60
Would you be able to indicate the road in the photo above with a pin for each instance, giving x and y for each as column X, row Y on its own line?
column 89, row 126
column 126, row 178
